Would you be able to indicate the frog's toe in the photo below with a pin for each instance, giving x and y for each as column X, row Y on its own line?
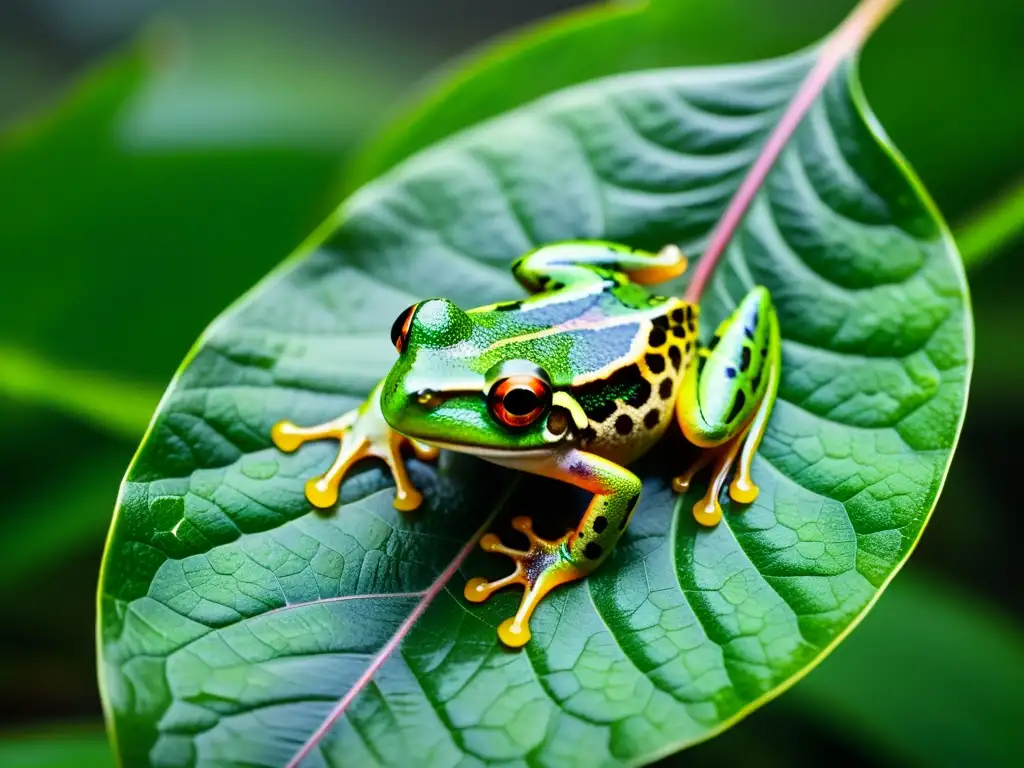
column 479, row 589
column 707, row 511
column 287, row 436
column 423, row 451
column 681, row 483
column 514, row 633
column 321, row 492
column 407, row 499
column 742, row 490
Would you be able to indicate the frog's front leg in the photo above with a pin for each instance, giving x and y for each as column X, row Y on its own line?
column 726, row 399
column 363, row 433
column 547, row 564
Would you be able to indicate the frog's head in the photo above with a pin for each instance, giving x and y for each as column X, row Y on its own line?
column 438, row 392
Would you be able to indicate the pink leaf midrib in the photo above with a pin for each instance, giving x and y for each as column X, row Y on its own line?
column 840, row 45
column 426, row 598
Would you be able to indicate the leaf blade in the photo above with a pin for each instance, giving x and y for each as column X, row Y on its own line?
column 676, row 636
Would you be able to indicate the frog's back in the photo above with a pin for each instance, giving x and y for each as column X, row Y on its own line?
column 619, row 351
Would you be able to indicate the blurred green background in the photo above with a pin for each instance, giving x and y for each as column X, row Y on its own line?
column 157, row 158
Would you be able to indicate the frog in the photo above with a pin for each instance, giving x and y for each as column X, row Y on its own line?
column 573, row 382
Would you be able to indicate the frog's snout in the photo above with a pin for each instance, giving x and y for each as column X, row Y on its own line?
column 404, row 406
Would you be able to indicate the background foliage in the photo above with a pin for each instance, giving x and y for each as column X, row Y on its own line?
column 212, row 141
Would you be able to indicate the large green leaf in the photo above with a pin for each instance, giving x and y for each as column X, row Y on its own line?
column 234, row 619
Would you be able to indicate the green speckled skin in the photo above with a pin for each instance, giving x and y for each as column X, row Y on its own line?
column 607, row 364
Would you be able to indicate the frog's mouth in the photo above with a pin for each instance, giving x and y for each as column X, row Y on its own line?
column 491, row 453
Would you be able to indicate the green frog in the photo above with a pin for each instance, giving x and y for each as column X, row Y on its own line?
column 573, row 383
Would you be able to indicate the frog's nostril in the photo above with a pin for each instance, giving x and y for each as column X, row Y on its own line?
column 428, row 398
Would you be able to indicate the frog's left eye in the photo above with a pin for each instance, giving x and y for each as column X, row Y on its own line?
column 400, row 328
column 519, row 399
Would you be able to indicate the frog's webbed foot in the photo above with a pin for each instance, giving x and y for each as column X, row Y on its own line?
column 362, row 433
column 742, row 490
column 542, row 567
column 708, row 511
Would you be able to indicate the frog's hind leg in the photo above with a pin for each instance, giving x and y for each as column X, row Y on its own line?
column 742, row 489
column 726, row 399
column 545, row 564
column 739, row 451
column 581, row 262
column 362, row 433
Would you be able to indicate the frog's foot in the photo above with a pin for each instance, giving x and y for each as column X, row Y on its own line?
column 362, row 433
column 708, row 511
column 544, row 566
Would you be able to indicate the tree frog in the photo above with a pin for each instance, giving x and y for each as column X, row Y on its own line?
column 572, row 383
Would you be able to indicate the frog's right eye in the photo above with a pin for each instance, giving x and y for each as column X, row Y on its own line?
column 400, row 328
column 519, row 400
column 520, row 393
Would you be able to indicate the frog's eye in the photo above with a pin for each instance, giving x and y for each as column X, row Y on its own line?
column 400, row 328
column 519, row 399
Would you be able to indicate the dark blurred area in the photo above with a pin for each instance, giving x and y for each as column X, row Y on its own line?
column 215, row 138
